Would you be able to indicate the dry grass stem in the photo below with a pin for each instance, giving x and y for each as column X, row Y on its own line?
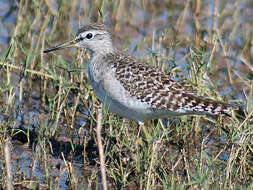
column 101, row 149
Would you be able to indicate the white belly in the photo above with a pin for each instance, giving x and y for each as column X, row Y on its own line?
column 118, row 100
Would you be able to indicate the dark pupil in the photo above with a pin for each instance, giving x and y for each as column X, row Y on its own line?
column 89, row 36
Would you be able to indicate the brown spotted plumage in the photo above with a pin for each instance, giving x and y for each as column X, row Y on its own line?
column 133, row 89
column 154, row 87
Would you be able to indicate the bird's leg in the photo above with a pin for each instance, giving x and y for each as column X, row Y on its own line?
column 147, row 135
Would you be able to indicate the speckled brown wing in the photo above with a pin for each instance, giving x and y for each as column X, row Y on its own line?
column 154, row 87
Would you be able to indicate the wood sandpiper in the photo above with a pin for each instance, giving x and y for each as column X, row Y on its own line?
column 133, row 89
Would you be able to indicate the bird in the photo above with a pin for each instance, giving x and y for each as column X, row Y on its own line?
column 134, row 89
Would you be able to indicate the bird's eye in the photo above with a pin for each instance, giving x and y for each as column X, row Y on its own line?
column 89, row 35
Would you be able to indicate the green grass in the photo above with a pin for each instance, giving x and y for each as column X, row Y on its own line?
column 50, row 95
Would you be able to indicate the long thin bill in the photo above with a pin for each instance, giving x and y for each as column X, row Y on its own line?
column 61, row 46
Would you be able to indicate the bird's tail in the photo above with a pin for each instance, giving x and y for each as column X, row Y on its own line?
column 201, row 105
column 207, row 106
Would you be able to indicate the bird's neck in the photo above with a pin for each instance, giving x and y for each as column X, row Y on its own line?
column 102, row 48
column 102, row 52
column 97, row 57
column 97, row 67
